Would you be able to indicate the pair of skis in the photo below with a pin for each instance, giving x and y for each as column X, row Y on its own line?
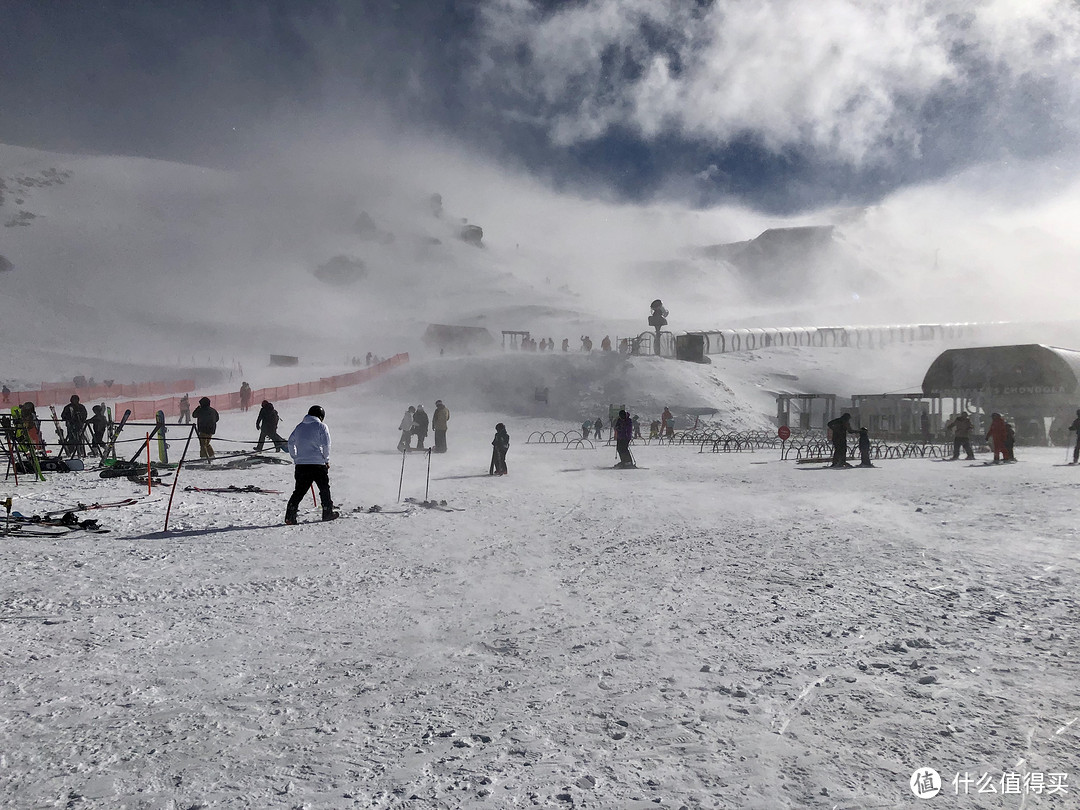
column 250, row 489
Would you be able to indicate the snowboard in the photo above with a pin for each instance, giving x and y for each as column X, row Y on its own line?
column 162, row 445
column 250, row 489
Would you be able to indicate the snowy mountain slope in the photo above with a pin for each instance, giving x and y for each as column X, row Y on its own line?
column 148, row 260
column 718, row 630
column 709, row 631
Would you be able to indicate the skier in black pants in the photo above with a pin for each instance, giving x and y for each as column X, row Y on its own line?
column 266, row 423
column 309, row 446
column 420, row 426
column 98, row 423
column 74, row 416
column 499, row 445
column 624, row 432
column 840, row 427
column 1076, row 426
column 206, row 419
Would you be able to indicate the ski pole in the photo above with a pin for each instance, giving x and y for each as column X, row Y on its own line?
column 402, row 476
column 427, row 483
column 176, row 478
column 313, row 501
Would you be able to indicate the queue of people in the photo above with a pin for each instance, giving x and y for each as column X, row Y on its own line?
column 415, row 423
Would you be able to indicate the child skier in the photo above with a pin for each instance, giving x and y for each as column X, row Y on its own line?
column 864, row 448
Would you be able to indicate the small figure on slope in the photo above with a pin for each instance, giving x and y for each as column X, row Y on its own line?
column 961, row 426
column 98, row 424
column 1076, row 427
column 996, row 435
column 864, row 448
column 499, row 445
column 185, row 410
column 206, row 419
column 624, row 432
column 840, row 427
column 420, row 426
column 406, row 427
column 309, row 446
column 267, row 424
column 1010, row 442
column 74, row 416
column 439, row 419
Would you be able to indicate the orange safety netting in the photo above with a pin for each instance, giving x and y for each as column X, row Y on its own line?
column 147, row 408
column 60, row 393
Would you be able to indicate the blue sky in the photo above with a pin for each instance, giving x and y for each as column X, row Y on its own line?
column 782, row 105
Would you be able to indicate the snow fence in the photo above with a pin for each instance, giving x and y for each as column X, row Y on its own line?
column 147, row 408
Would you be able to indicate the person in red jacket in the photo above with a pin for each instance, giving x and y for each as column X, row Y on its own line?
column 997, row 435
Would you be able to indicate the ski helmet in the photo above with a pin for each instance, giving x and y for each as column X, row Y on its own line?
column 316, row 410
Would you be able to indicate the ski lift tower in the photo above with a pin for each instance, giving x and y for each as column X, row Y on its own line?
column 658, row 319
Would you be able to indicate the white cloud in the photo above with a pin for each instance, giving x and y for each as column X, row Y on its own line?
column 847, row 76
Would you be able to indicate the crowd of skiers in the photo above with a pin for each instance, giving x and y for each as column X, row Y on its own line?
column 79, row 435
column 663, row 427
column 529, row 344
column 1001, row 438
column 309, row 442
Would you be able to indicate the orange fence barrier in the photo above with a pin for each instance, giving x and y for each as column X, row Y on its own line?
column 147, row 408
column 60, row 393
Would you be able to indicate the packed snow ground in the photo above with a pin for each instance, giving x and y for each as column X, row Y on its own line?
column 712, row 630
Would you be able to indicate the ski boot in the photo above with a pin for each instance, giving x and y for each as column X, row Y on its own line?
column 329, row 513
column 290, row 517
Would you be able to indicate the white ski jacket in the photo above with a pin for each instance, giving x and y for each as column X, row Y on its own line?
column 309, row 443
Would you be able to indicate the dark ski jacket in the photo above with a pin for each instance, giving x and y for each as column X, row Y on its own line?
column 1076, row 426
column 439, row 417
column 420, row 422
column 206, row 419
column 840, row 427
column 501, row 440
column 962, row 425
column 267, row 419
column 98, row 423
column 624, row 428
column 74, row 413
column 864, row 442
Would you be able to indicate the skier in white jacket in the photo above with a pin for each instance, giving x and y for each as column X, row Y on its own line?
column 309, row 446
